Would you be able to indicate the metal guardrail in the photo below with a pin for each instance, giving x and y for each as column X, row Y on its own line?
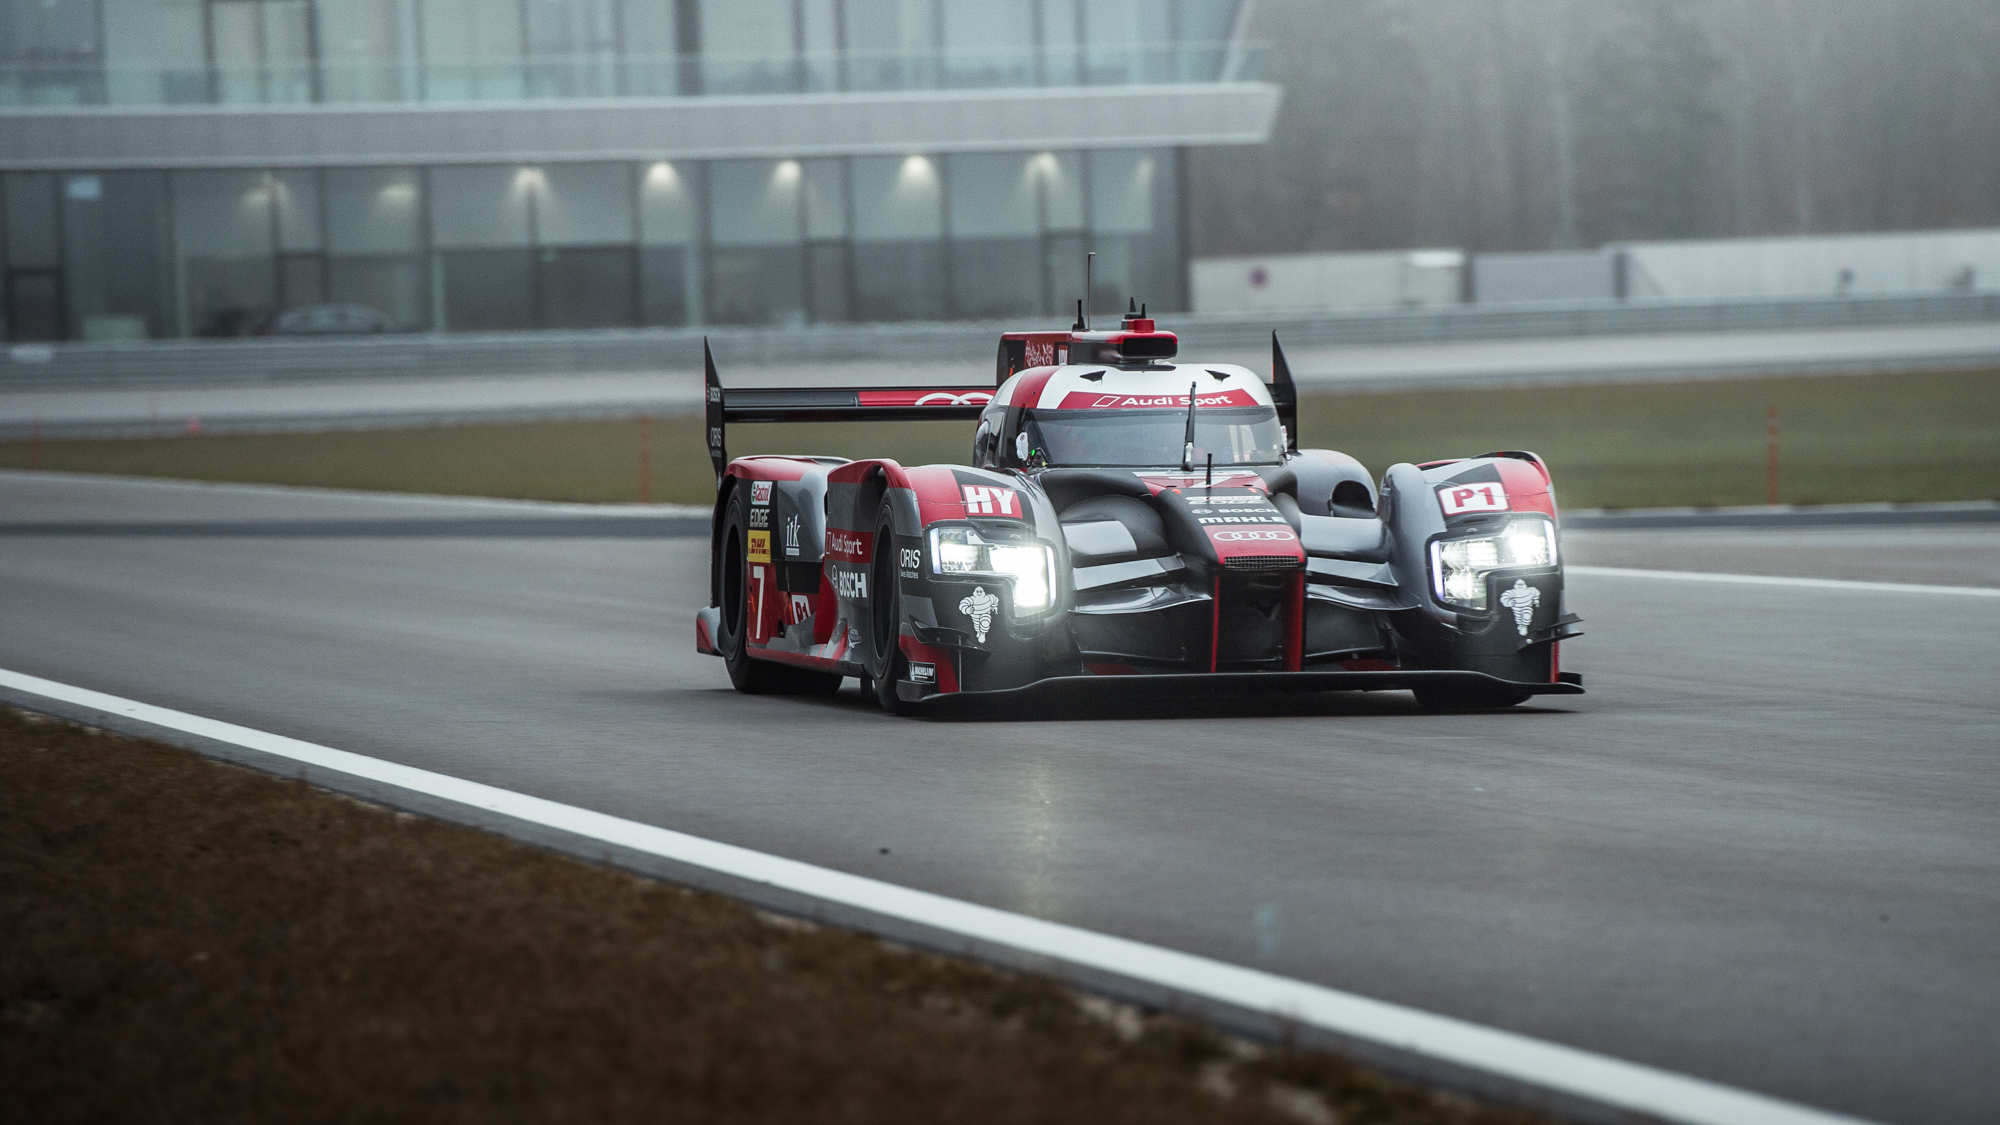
column 444, row 355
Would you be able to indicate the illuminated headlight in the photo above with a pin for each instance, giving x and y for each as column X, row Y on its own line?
column 1031, row 566
column 1459, row 566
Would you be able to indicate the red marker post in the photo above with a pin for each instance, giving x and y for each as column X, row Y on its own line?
column 1771, row 456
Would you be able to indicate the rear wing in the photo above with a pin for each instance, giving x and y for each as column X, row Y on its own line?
column 829, row 404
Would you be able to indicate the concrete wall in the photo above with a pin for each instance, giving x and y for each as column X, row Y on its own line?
column 1572, row 275
column 1916, row 263
column 1398, row 279
column 1871, row 264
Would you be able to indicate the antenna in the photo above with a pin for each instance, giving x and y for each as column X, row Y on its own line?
column 1079, row 325
column 1187, row 449
column 1084, row 305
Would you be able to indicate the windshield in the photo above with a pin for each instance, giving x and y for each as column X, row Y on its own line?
column 1236, row 435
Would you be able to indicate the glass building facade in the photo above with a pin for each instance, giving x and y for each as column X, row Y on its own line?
column 450, row 244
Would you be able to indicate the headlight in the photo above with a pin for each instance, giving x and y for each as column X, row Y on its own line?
column 1031, row 566
column 1459, row 566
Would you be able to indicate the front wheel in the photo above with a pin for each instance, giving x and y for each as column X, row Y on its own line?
column 748, row 675
column 886, row 664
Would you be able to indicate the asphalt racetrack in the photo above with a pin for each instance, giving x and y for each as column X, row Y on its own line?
column 1764, row 850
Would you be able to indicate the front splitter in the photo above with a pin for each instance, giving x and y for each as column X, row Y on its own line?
column 1218, row 685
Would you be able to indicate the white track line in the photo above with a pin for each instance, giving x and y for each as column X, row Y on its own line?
column 1772, row 580
column 1597, row 1078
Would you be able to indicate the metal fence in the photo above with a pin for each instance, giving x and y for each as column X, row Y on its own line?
column 439, row 355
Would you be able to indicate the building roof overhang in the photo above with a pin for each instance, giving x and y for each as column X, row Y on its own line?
column 707, row 127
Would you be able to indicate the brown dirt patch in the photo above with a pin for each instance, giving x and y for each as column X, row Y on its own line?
column 185, row 940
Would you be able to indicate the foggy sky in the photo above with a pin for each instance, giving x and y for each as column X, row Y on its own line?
column 1538, row 124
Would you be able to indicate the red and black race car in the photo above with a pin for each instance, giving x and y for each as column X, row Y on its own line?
column 1126, row 517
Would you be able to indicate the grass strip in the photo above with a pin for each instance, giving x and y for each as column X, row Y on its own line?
column 1843, row 439
column 188, row 940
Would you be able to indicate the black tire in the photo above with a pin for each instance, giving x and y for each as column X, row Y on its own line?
column 1468, row 697
column 748, row 675
column 886, row 663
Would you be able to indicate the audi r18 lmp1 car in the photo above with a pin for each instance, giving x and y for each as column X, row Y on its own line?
column 1125, row 516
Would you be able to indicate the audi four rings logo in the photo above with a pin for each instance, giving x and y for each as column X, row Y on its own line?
column 1253, row 536
column 946, row 398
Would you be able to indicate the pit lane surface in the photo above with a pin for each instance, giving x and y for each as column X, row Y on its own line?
column 1762, row 851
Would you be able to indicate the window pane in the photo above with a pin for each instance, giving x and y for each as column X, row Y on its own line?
column 899, row 281
column 896, row 198
column 222, row 213
column 301, row 280
column 898, row 234
column 584, row 204
column 288, row 57
column 154, row 54
column 227, row 271
column 487, row 290
column 297, row 198
column 480, row 205
column 1062, row 58
column 367, row 50
column 754, row 202
column 996, row 277
column 891, row 45
column 572, row 48
column 1132, row 228
column 652, row 64
column 663, row 286
column 115, row 264
column 51, row 45
column 826, row 198
column 666, row 206
column 472, row 49
column 989, row 43
column 828, row 282
column 237, row 51
column 34, row 307
column 1062, row 189
column 397, row 286
column 748, row 47
column 31, row 219
column 1124, row 41
column 48, row 30
column 372, row 211
column 994, row 194
column 1121, row 190
column 754, row 265
column 755, row 285
column 586, row 288
column 819, row 48
column 996, row 246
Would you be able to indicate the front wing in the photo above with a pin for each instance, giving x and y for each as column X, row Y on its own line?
column 1221, row 685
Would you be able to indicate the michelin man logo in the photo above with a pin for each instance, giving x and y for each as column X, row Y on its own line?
column 1522, row 599
column 979, row 605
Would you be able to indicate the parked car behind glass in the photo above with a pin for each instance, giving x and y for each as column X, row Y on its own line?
column 331, row 320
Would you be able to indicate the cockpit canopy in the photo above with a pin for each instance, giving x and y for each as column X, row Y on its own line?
column 1232, row 435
